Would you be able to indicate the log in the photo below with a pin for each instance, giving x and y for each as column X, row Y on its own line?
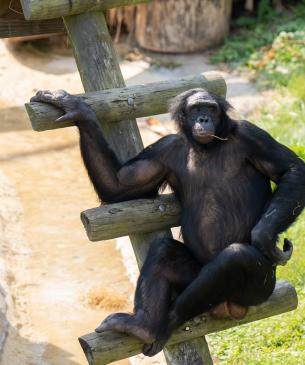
column 99, row 69
column 182, row 25
column 21, row 28
column 131, row 102
column 194, row 354
column 137, row 216
column 46, row 9
column 104, row 348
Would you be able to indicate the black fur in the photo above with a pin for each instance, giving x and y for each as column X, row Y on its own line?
column 230, row 222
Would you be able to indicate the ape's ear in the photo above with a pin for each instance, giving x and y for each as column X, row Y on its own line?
column 224, row 105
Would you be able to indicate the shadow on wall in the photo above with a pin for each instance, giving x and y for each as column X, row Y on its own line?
column 45, row 55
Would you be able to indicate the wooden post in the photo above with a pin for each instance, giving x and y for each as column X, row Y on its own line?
column 193, row 353
column 99, row 69
column 182, row 25
column 49, row 9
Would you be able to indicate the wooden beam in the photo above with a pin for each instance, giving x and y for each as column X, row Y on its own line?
column 194, row 353
column 99, row 69
column 46, row 9
column 133, row 102
column 104, row 348
column 137, row 216
column 20, row 27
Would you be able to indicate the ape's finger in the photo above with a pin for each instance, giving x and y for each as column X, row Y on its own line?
column 99, row 329
column 42, row 92
column 55, row 98
column 65, row 117
column 282, row 257
column 44, row 96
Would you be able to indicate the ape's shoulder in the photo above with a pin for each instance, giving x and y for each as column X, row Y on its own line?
column 169, row 141
column 245, row 128
column 171, row 138
column 248, row 132
column 163, row 146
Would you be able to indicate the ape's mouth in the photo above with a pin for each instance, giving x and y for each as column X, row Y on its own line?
column 203, row 137
column 206, row 137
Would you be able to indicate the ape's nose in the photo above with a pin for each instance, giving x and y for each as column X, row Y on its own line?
column 202, row 119
column 198, row 126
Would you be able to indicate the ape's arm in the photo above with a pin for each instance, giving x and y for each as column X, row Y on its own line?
column 287, row 170
column 139, row 178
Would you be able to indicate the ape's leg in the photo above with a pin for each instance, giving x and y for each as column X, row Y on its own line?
column 239, row 274
column 169, row 268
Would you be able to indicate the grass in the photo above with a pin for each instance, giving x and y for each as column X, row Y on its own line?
column 270, row 45
column 273, row 49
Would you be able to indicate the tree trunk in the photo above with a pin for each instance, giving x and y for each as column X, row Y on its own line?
column 179, row 26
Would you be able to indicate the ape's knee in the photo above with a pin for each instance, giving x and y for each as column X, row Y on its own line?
column 162, row 249
column 238, row 255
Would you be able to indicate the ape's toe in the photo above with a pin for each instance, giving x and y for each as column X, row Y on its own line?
column 154, row 348
column 128, row 324
column 114, row 322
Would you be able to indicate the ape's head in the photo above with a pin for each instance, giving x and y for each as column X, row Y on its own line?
column 201, row 116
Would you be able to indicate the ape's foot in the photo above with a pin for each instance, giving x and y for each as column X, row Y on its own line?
column 154, row 348
column 229, row 310
column 126, row 323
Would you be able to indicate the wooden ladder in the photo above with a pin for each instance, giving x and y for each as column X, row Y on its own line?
column 117, row 107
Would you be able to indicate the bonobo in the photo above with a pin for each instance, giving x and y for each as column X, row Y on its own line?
column 220, row 170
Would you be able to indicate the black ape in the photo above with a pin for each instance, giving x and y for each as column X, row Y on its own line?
column 220, row 170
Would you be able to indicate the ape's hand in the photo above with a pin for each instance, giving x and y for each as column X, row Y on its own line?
column 266, row 243
column 74, row 107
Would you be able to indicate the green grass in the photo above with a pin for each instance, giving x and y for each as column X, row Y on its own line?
column 272, row 46
column 277, row 60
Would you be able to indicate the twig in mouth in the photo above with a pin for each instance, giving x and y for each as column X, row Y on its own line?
column 222, row 139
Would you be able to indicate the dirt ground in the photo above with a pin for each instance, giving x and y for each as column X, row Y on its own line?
column 54, row 284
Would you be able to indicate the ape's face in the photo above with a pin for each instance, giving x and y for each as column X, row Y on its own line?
column 203, row 114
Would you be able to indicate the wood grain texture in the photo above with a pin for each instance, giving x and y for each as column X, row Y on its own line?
column 46, row 9
column 21, row 28
column 187, row 25
column 108, row 347
column 137, row 216
column 132, row 102
column 99, row 69
column 194, row 353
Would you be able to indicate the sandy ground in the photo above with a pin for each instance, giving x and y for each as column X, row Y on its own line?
column 54, row 284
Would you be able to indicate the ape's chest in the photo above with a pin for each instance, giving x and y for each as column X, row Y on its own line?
column 209, row 169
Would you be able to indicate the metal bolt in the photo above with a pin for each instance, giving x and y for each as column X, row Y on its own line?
column 162, row 208
column 130, row 101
